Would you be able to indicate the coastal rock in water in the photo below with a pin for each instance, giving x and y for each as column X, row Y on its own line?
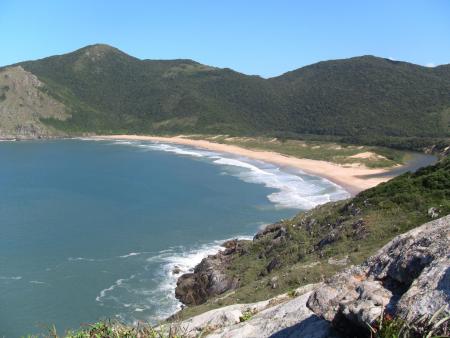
column 409, row 276
column 209, row 278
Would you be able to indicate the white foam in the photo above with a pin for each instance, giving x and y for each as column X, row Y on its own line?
column 117, row 283
column 295, row 190
column 37, row 282
column 185, row 261
column 131, row 254
column 81, row 259
column 11, row 277
column 135, row 294
column 179, row 150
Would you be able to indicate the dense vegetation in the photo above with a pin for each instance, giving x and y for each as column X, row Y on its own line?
column 318, row 243
column 363, row 99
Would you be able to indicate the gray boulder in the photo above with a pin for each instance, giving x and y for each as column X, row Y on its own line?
column 408, row 276
column 279, row 317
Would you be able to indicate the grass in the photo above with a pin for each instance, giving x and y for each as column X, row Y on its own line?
column 318, row 150
column 435, row 326
column 115, row 329
column 247, row 315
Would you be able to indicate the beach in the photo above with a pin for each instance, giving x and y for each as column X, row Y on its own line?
column 351, row 178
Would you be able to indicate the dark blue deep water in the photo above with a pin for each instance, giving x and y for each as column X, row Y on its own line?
column 93, row 229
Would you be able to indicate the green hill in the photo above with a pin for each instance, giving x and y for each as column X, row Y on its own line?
column 108, row 91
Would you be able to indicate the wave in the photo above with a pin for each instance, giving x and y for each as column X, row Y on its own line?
column 117, row 283
column 37, row 282
column 81, row 259
column 11, row 277
column 149, row 293
column 294, row 188
column 131, row 254
column 182, row 262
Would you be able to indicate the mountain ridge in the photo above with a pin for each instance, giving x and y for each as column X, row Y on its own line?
column 366, row 97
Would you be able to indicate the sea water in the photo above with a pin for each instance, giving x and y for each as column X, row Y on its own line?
column 94, row 229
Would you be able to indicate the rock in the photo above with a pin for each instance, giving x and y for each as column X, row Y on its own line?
column 433, row 212
column 278, row 317
column 273, row 264
column 176, row 270
column 209, row 277
column 24, row 104
column 429, row 292
column 232, row 246
column 359, row 230
column 271, row 228
column 352, row 209
column 409, row 276
column 332, row 237
column 340, row 262
column 403, row 259
column 290, row 319
column 273, row 282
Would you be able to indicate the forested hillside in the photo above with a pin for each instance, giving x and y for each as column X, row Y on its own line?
column 362, row 98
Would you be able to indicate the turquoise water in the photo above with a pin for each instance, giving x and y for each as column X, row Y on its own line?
column 93, row 229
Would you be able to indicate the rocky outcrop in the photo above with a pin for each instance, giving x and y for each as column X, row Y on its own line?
column 23, row 103
column 408, row 277
column 209, row 277
column 282, row 316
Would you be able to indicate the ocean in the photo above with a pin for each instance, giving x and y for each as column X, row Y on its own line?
column 93, row 229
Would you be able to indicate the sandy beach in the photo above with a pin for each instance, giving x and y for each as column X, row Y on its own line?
column 350, row 178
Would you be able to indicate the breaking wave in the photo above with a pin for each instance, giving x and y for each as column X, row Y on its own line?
column 293, row 188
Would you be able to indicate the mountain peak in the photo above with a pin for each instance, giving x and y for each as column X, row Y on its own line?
column 100, row 49
column 98, row 52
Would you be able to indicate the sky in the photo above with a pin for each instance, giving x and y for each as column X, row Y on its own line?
column 257, row 37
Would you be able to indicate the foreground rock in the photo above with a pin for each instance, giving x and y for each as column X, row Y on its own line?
column 209, row 277
column 282, row 316
column 410, row 277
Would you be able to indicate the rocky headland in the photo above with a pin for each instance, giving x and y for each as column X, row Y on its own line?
column 408, row 277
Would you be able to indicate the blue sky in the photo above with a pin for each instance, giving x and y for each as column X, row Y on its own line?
column 251, row 36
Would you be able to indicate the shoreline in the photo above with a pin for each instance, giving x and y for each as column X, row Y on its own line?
column 350, row 178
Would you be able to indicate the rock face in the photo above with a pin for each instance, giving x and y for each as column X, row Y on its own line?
column 281, row 316
column 409, row 276
column 209, row 277
column 22, row 105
